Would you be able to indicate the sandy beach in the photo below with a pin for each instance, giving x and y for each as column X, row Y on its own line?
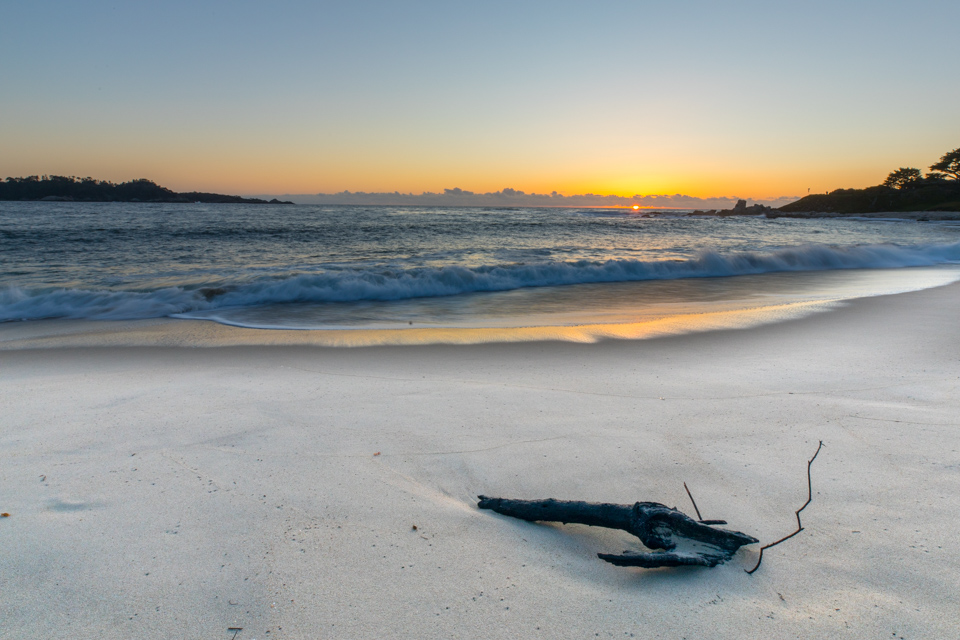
column 310, row 492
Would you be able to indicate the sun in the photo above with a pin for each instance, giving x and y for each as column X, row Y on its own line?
column 635, row 207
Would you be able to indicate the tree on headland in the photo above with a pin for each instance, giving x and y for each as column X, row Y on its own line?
column 71, row 188
column 903, row 178
column 905, row 189
column 949, row 164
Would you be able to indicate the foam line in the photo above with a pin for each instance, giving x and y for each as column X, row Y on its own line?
column 347, row 285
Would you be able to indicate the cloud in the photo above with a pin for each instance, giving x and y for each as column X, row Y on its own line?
column 509, row 197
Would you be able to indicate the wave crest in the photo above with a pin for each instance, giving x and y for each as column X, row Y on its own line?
column 346, row 285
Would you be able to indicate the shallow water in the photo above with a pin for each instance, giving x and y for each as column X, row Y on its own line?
column 590, row 304
column 322, row 267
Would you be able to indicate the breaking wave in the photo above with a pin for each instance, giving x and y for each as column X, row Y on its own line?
column 345, row 285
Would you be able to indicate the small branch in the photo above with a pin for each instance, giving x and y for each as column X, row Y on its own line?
column 699, row 517
column 799, row 524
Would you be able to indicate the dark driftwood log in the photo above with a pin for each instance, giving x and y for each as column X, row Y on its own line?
column 684, row 540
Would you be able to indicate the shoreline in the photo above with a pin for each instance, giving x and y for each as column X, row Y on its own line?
column 755, row 301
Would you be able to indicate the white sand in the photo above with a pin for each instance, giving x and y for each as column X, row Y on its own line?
column 178, row 492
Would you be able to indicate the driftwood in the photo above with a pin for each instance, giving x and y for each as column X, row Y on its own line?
column 684, row 540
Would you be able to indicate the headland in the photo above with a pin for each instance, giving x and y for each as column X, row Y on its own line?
column 72, row 189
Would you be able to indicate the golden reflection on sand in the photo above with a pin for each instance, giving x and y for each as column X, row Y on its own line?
column 200, row 333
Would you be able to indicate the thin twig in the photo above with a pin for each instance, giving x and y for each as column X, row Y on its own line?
column 693, row 501
column 699, row 517
column 799, row 525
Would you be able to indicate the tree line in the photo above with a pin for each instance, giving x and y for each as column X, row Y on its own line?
column 948, row 168
column 37, row 187
column 905, row 189
column 72, row 188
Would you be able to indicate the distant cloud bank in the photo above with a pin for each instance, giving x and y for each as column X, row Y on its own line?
column 516, row 198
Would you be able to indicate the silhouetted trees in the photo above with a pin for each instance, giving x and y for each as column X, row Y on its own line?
column 947, row 169
column 73, row 188
column 905, row 189
column 949, row 165
column 902, row 178
column 64, row 188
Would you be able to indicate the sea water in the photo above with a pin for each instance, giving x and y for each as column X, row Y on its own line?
column 361, row 267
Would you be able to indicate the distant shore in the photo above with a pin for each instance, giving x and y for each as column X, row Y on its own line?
column 930, row 200
column 72, row 189
column 921, row 196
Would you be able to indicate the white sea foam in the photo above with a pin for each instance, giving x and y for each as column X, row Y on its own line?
column 345, row 285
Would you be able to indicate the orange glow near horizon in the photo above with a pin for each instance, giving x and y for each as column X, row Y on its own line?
column 302, row 180
column 239, row 180
column 235, row 165
column 231, row 168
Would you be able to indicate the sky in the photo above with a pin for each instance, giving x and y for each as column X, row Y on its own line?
column 747, row 99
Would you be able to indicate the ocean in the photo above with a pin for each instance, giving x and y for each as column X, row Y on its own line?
column 378, row 267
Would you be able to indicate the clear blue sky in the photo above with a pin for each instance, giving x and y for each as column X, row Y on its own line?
column 755, row 98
